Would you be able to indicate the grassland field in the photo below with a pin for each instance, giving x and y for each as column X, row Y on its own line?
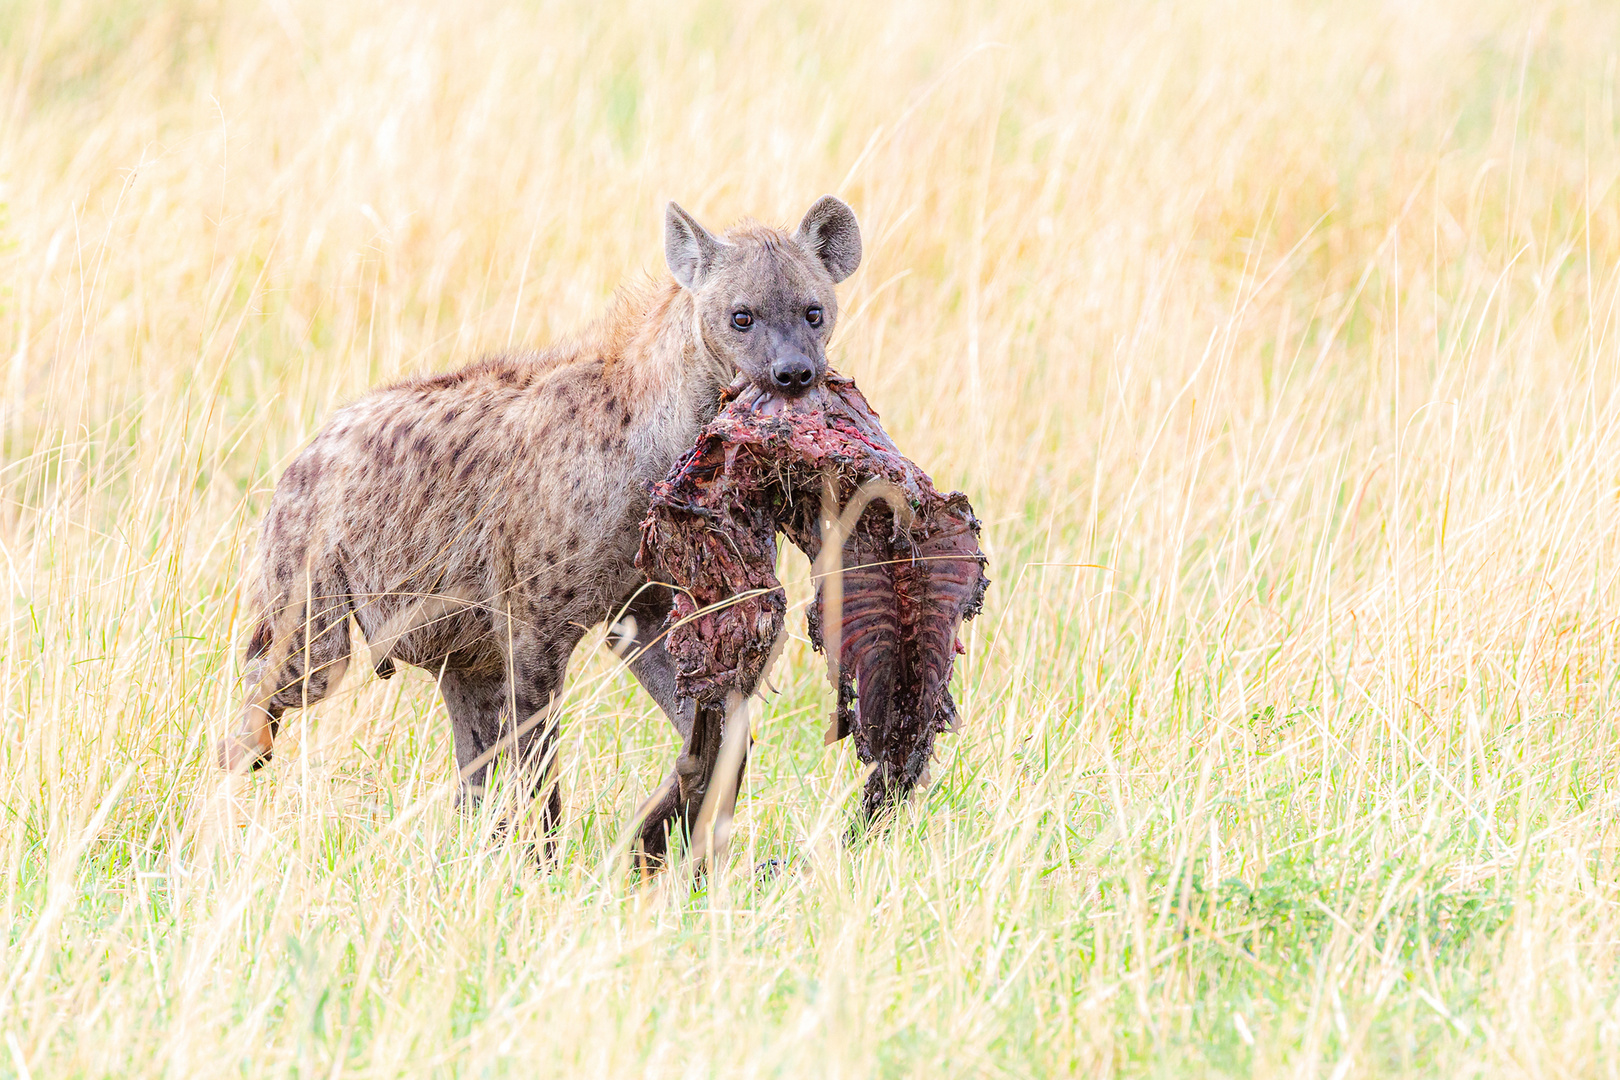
column 1277, row 344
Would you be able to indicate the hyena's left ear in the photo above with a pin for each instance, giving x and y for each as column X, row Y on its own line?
column 690, row 250
column 830, row 232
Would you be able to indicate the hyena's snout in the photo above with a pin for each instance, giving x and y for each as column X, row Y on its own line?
column 793, row 373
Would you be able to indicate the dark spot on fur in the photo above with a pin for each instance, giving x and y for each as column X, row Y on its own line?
column 379, row 450
column 535, row 672
column 624, row 417
column 447, row 380
column 421, row 445
column 450, row 415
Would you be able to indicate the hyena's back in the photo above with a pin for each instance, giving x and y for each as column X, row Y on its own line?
column 461, row 520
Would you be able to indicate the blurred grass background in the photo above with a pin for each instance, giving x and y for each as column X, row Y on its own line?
column 1274, row 342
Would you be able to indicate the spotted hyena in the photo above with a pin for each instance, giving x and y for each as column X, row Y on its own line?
column 477, row 523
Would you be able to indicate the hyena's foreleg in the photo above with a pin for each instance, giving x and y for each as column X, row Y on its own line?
column 296, row 656
column 676, row 807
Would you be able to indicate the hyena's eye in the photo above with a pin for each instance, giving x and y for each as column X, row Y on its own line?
column 812, row 314
column 741, row 320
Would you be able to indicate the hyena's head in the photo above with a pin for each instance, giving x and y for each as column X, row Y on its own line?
column 764, row 299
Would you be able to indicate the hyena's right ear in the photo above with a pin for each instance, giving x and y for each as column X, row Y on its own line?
column 689, row 248
column 830, row 232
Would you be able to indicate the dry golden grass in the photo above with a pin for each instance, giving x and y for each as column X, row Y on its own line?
column 1275, row 343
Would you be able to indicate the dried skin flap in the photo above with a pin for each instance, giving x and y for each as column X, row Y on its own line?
column 712, row 537
column 908, row 581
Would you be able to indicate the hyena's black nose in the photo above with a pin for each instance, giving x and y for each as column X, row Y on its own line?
column 793, row 372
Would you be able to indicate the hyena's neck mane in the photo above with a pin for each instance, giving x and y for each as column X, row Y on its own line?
column 651, row 346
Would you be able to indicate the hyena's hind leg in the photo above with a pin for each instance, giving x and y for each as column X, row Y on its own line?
column 295, row 657
column 481, row 708
column 476, row 702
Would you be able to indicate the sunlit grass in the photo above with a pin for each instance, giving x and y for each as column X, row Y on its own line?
column 1274, row 344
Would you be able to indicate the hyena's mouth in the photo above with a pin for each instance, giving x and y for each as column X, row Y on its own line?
column 768, row 401
column 813, row 400
column 903, row 572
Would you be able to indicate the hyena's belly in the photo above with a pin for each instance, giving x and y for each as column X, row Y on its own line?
column 451, row 629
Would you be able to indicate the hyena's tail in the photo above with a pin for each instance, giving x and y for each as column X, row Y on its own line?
column 296, row 655
column 259, row 643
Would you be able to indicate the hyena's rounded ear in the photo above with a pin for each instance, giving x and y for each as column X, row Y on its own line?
column 830, row 232
column 689, row 248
